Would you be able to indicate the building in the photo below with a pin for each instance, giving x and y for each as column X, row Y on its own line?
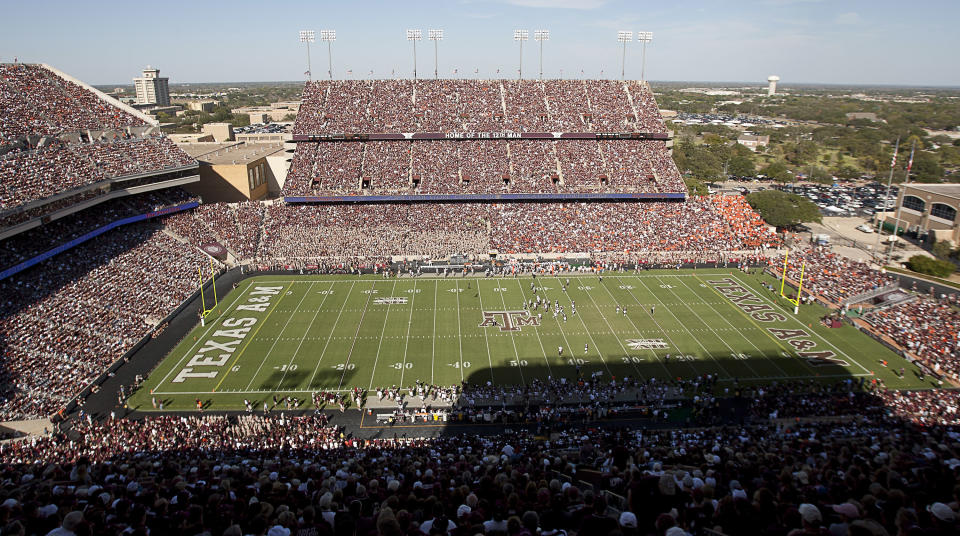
column 869, row 116
column 278, row 111
column 929, row 209
column 237, row 171
column 752, row 141
column 221, row 132
column 203, row 106
column 151, row 88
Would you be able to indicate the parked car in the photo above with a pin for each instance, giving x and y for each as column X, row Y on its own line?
column 865, row 228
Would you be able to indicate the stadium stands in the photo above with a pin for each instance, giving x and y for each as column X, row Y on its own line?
column 391, row 106
column 36, row 102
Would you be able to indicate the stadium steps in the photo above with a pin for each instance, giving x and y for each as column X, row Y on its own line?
column 633, row 105
column 870, row 294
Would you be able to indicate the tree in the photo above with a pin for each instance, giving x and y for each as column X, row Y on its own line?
column 819, row 174
column 741, row 166
column 926, row 167
column 777, row 171
column 782, row 209
column 695, row 187
column 926, row 265
column 941, row 249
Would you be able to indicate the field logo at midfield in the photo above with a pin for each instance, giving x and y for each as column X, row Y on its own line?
column 646, row 344
column 509, row 320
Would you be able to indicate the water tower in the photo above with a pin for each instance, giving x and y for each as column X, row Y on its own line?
column 772, row 84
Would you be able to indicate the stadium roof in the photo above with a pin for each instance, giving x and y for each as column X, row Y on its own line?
column 234, row 152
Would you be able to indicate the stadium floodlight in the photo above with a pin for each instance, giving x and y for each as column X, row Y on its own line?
column 644, row 37
column 541, row 36
column 520, row 36
column 624, row 36
column 436, row 36
column 307, row 36
column 329, row 36
column 414, row 36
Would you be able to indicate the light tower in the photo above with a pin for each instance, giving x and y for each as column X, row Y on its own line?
column 644, row 37
column 624, row 36
column 520, row 36
column 329, row 36
column 414, row 36
column 436, row 36
column 772, row 85
column 541, row 36
column 307, row 36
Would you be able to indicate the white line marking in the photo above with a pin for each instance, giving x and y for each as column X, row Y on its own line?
column 266, row 357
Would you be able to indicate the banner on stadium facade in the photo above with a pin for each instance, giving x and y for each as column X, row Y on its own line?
column 650, row 196
column 215, row 250
column 500, row 135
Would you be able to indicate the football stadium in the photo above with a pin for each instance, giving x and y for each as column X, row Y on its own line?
column 474, row 307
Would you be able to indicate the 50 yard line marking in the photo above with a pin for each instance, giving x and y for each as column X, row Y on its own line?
column 283, row 293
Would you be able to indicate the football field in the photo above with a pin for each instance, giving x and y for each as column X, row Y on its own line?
column 296, row 335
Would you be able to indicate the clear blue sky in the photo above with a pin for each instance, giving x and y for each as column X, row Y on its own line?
column 802, row 41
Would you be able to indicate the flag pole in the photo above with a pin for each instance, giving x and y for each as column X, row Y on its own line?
column 886, row 198
column 906, row 179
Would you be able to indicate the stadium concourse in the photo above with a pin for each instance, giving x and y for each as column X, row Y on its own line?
column 806, row 458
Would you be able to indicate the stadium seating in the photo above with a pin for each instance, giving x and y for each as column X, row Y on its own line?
column 389, row 106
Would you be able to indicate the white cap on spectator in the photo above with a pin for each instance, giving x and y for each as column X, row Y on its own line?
column 810, row 513
column 628, row 519
column 942, row 512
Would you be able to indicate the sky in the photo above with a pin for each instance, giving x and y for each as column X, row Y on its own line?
column 849, row 42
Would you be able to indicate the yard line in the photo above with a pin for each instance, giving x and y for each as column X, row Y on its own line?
column 537, row 331
column 330, row 336
column 252, row 336
column 727, row 320
column 201, row 338
column 692, row 336
column 562, row 333
column 433, row 346
column 723, row 340
column 413, row 298
column 613, row 332
column 632, row 323
column 314, row 319
column 512, row 339
column 383, row 330
column 828, row 343
column 353, row 345
column 590, row 335
column 459, row 335
column 654, row 320
column 266, row 357
column 484, row 330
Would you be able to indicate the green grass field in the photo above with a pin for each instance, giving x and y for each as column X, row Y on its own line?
column 300, row 334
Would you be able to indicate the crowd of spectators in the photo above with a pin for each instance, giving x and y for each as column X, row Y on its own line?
column 698, row 230
column 376, row 106
column 28, row 244
column 482, row 167
column 31, row 175
column 833, row 276
column 873, row 473
column 65, row 321
column 37, row 102
column 928, row 328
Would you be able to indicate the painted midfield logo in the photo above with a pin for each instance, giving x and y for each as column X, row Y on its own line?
column 508, row 320
column 646, row 344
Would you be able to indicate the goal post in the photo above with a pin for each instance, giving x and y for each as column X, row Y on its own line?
column 204, row 312
column 783, row 282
